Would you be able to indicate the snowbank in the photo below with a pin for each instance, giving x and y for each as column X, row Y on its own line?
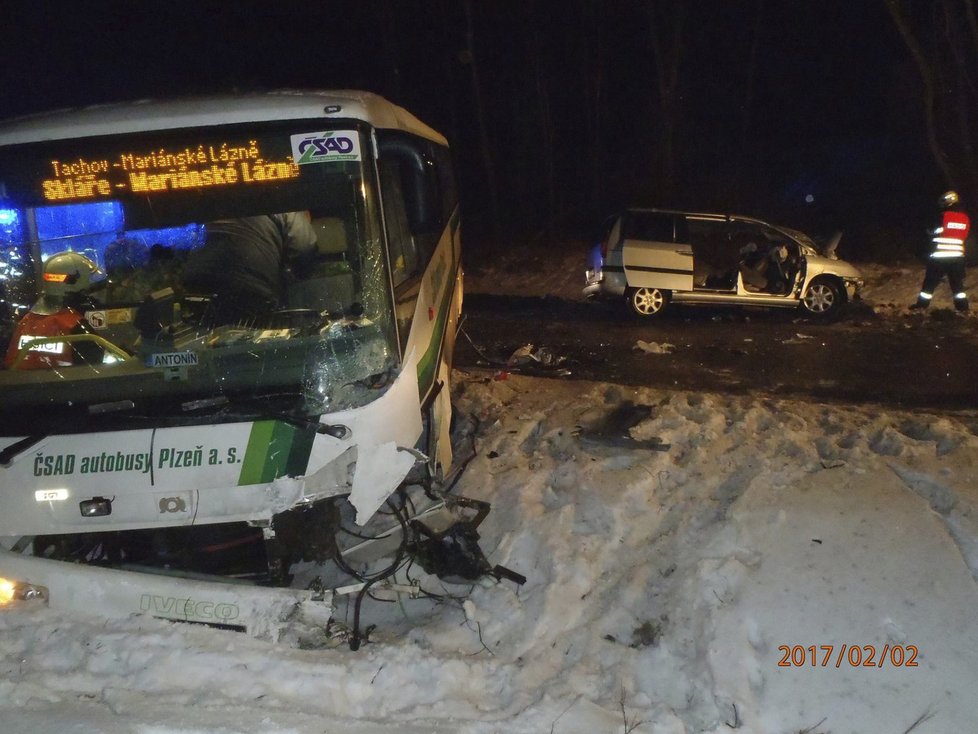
column 672, row 543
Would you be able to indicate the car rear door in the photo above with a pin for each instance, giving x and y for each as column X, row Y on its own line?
column 653, row 255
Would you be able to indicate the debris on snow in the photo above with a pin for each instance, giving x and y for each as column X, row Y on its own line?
column 654, row 347
column 614, row 429
column 529, row 359
column 662, row 589
column 798, row 338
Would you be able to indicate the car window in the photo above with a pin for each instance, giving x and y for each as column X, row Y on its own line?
column 748, row 231
column 714, row 233
column 650, row 226
column 614, row 236
column 712, row 241
column 755, row 240
column 761, row 233
column 774, row 235
column 682, row 229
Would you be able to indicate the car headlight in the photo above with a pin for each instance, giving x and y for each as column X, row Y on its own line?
column 11, row 591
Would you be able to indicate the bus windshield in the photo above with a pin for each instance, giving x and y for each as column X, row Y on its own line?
column 218, row 273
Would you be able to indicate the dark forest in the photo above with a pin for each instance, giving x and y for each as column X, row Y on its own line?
column 824, row 116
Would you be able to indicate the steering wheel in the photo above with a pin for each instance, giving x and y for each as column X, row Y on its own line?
column 295, row 316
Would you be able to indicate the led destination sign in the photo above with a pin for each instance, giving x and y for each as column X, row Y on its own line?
column 164, row 169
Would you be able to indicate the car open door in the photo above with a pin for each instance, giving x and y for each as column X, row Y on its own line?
column 654, row 253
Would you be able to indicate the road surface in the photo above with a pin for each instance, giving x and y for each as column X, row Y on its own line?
column 903, row 360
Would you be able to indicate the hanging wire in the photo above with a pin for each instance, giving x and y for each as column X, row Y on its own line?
column 356, row 639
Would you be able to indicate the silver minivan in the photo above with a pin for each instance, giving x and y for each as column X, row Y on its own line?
column 654, row 257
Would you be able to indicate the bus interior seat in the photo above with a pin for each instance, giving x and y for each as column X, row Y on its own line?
column 328, row 285
column 331, row 236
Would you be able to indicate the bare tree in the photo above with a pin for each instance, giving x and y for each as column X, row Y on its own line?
column 927, row 67
column 942, row 38
column 544, row 113
column 487, row 158
column 666, row 22
column 389, row 48
column 593, row 79
column 748, row 103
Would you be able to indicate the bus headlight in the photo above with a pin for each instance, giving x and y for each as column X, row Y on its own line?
column 20, row 591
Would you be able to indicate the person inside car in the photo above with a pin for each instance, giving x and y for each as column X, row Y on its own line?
column 777, row 269
column 753, row 266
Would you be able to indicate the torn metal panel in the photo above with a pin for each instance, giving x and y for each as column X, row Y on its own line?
column 442, row 420
column 379, row 430
column 380, row 469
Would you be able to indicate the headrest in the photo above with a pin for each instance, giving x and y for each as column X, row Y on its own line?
column 331, row 235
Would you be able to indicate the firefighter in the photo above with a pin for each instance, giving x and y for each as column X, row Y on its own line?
column 67, row 283
column 947, row 254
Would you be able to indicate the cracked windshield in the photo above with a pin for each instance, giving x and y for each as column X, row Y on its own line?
column 230, row 271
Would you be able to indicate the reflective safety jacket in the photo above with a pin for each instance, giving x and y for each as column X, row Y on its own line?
column 48, row 355
column 949, row 237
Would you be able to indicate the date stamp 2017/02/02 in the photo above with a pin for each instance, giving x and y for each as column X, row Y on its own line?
column 853, row 656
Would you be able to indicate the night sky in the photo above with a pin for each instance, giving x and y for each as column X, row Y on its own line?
column 775, row 101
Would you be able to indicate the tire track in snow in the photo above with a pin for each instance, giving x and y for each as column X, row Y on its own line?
column 945, row 503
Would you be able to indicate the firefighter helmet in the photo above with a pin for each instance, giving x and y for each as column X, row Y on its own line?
column 949, row 199
column 70, row 272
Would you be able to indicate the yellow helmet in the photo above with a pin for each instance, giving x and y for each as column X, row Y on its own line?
column 70, row 272
column 949, row 199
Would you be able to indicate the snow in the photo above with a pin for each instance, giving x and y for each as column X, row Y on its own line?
column 672, row 543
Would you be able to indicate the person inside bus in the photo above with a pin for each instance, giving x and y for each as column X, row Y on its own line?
column 125, row 264
column 245, row 264
column 68, row 283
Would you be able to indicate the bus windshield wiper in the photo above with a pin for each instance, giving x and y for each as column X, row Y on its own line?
column 15, row 449
column 251, row 408
column 116, row 406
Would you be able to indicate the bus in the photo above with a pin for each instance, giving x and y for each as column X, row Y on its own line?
column 228, row 327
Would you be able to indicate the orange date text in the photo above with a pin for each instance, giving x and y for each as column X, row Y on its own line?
column 849, row 655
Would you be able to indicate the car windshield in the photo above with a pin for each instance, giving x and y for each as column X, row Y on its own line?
column 227, row 271
column 799, row 237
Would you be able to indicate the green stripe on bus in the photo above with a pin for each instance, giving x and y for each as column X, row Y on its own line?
column 427, row 365
column 275, row 449
column 254, row 459
column 298, row 459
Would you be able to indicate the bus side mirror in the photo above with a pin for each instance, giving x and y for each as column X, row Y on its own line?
column 419, row 182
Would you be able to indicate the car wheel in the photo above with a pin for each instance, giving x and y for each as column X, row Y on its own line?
column 823, row 298
column 647, row 301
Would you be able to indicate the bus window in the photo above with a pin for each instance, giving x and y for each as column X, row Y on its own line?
column 405, row 265
column 403, row 254
column 199, row 242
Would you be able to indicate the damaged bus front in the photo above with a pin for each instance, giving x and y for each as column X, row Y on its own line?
column 228, row 326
